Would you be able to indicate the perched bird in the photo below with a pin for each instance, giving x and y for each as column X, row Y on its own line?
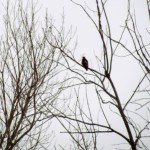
column 85, row 63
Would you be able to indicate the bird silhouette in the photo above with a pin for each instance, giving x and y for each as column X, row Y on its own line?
column 85, row 63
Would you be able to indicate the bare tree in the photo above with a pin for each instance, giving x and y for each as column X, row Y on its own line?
column 29, row 84
column 97, row 110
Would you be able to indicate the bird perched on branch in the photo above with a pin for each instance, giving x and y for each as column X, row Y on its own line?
column 85, row 63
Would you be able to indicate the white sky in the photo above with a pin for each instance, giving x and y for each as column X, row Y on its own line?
column 125, row 71
column 88, row 41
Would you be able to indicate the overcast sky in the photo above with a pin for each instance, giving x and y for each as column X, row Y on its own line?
column 88, row 41
column 126, row 73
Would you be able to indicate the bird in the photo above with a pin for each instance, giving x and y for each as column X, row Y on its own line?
column 85, row 63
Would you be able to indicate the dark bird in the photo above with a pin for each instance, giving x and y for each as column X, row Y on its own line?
column 85, row 63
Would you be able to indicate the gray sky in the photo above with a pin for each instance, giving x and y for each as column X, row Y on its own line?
column 125, row 73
